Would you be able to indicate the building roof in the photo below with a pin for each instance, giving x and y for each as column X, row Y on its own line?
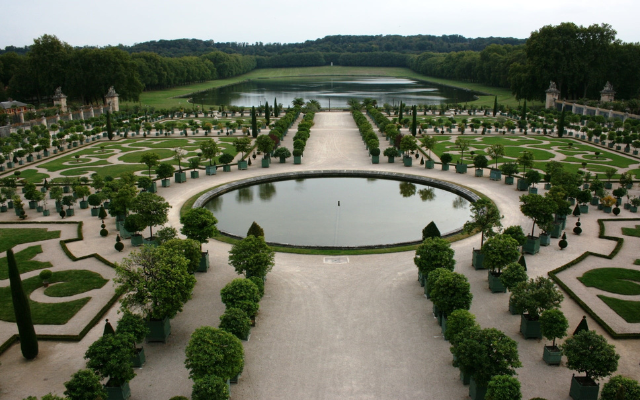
column 9, row 104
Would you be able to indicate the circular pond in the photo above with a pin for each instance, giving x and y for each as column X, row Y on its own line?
column 339, row 211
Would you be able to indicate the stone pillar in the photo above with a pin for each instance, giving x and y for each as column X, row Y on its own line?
column 607, row 94
column 111, row 99
column 43, row 121
column 21, row 115
column 57, row 118
column 552, row 95
column 59, row 99
column 91, row 114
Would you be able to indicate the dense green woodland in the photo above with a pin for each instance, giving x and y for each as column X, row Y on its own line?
column 579, row 59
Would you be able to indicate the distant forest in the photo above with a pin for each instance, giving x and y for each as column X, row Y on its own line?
column 579, row 59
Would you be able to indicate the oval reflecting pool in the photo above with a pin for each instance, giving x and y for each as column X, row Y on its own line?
column 339, row 211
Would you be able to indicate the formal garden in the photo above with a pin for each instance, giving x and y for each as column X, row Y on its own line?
column 571, row 207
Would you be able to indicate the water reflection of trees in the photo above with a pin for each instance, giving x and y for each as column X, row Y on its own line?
column 266, row 191
column 244, row 195
column 427, row 194
column 459, row 203
column 407, row 189
column 215, row 204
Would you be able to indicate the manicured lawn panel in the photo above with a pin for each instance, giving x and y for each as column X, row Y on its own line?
column 10, row 237
column 74, row 282
column 628, row 310
column 613, row 280
column 33, row 176
column 134, row 157
column 24, row 261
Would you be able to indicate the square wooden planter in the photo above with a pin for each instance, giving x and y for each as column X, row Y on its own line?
column 552, row 355
column 583, row 388
column 532, row 246
column 495, row 284
column 530, row 328
column 159, row 330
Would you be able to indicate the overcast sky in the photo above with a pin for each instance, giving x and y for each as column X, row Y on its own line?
column 113, row 22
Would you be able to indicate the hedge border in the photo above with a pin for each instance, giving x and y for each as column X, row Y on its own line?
column 619, row 242
column 63, row 243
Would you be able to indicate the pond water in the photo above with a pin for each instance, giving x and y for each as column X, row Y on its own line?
column 332, row 91
column 339, row 211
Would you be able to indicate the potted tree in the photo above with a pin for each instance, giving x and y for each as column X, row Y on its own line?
column 434, row 252
column 485, row 217
column 68, row 201
column 236, row 322
column 391, row 153
column 609, row 173
column 620, row 387
column 608, row 202
column 110, row 358
column 150, row 159
column 533, row 297
column 509, row 169
column 135, row 223
column 451, row 291
column 194, row 164
column 213, row 352
column 463, row 145
column 532, row 177
column 540, row 209
column 178, row 155
column 480, row 162
column 199, row 224
column 210, row 387
column 597, row 187
column 84, row 384
column 252, row 256
column 242, row 146
column 152, row 209
column 495, row 151
column 526, row 160
column 445, row 158
column 589, row 353
column 95, row 201
column 209, row 150
column 282, row 153
column 225, row 159
column 266, row 145
column 583, row 198
column 407, row 146
column 484, row 354
column 553, row 325
column 136, row 328
column 242, row 293
column 428, row 143
column 503, row 387
column 297, row 156
column 164, row 172
column 156, row 282
column 513, row 274
column 635, row 202
column 499, row 251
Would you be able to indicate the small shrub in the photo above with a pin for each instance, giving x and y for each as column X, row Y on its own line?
column 119, row 245
column 243, row 294
column 45, row 274
column 83, row 385
column 210, row 388
column 255, row 230
column 259, row 283
column 431, row 230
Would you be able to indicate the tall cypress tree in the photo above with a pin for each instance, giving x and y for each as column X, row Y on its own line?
column 415, row 121
column 400, row 114
column 267, row 112
column 524, row 110
column 561, row 124
column 254, row 123
column 28, row 339
column 495, row 106
column 109, row 127
column 276, row 108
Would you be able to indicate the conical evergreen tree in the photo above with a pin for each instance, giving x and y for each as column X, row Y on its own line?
column 414, row 124
column 400, row 114
column 523, row 262
column 276, row 109
column 267, row 112
column 495, row 106
column 22, row 310
column 102, row 214
column 108, row 329
column 254, row 123
column 255, row 230
column 582, row 326
column 109, row 127
column 431, row 230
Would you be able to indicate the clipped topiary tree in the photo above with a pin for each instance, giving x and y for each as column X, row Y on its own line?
column 210, row 387
column 212, row 351
column 22, row 310
column 434, row 253
column 252, row 256
column 119, row 245
column 188, row 248
column 84, row 385
column 458, row 321
column 620, row 388
column 255, row 230
column 236, row 322
column 431, row 231
column 503, row 387
column 110, row 357
column 243, row 294
column 513, row 274
column 589, row 353
column 563, row 242
column 450, row 292
column 259, row 283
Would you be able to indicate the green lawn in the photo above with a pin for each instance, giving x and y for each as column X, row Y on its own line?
column 110, row 170
column 613, row 280
column 10, row 237
column 168, row 98
column 631, row 231
column 33, row 176
column 134, row 157
column 24, row 261
column 80, row 281
column 628, row 310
